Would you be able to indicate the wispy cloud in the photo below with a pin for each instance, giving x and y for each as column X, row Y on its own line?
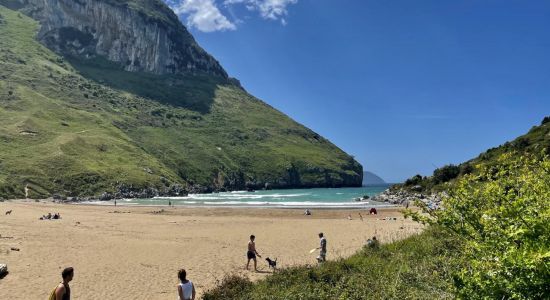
column 202, row 14
column 268, row 9
column 206, row 15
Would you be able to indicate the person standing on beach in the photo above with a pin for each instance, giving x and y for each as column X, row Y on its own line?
column 251, row 253
column 323, row 247
column 186, row 289
column 63, row 290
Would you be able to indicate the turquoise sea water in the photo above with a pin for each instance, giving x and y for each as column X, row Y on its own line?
column 321, row 197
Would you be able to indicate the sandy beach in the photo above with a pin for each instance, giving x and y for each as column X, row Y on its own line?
column 132, row 253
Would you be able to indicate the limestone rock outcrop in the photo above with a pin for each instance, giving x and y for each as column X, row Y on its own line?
column 137, row 35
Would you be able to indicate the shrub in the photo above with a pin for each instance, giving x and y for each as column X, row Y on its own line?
column 415, row 180
column 446, row 173
column 501, row 213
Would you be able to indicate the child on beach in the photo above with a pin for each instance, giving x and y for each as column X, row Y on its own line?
column 186, row 289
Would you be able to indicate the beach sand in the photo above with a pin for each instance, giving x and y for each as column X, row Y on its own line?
column 135, row 254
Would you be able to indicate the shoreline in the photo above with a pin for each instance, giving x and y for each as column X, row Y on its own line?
column 110, row 203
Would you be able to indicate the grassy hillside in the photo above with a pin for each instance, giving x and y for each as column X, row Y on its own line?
column 535, row 142
column 81, row 128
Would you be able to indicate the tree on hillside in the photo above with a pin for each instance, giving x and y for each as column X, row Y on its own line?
column 446, row 173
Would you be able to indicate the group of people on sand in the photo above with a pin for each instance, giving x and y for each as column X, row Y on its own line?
column 185, row 288
column 49, row 216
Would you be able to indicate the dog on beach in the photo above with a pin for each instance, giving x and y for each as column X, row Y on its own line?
column 272, row 263
column 8, row 212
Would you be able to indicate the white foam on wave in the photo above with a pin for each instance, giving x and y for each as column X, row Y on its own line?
column 233, row 196
column 286, row 204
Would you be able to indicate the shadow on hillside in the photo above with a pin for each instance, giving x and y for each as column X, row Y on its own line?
column 194, row 92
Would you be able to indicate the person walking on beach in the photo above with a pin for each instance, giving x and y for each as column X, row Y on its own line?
column 251, row 253
column 186, row 289
column 63, row 290
column 323, row 247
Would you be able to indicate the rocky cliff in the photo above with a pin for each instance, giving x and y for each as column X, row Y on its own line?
column 137, row 35
column 128, row 105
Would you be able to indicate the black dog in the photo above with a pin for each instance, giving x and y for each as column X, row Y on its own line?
column 8, row 212
column 272, row 263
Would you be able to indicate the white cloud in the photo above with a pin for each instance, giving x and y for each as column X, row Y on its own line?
column 205, row 15
column 268, row 9
column 201, row 14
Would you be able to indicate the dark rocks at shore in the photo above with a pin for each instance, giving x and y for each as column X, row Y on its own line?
column 402, row 197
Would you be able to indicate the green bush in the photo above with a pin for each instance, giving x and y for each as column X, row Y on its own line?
column 446, row 173
column 502, row 215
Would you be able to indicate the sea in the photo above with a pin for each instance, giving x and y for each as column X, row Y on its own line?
column 287, row 198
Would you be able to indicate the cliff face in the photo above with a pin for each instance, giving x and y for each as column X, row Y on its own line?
column 139, row 37
column 78, row 127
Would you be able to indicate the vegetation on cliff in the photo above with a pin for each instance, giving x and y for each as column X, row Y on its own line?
column 78, row 128
column 535, row 142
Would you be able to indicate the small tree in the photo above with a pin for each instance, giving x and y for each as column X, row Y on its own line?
column 446, row 173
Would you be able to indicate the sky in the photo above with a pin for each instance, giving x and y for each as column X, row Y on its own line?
column 403, row 86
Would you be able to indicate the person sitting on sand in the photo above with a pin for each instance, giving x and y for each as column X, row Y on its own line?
column 373, row 211
column 323, row 247
column 307, row 212
column 63, row 290
column 349, row 217
column 186, row 289
column 49, row 216
column 251, row 253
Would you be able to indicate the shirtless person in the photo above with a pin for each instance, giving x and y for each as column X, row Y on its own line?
column 251, row 253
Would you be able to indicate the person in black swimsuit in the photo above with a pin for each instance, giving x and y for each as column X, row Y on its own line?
column 251, row 253
column 63, row 290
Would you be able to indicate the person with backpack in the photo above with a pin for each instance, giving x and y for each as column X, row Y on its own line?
column 63, row 290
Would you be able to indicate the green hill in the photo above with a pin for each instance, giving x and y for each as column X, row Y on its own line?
column 535, row 142
column 79, row 126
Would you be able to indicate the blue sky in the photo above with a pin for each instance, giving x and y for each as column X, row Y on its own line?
column 404, row 86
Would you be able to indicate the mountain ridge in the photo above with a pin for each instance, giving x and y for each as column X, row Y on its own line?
column 139, row 35
column 85, row 127
column 369, row 178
